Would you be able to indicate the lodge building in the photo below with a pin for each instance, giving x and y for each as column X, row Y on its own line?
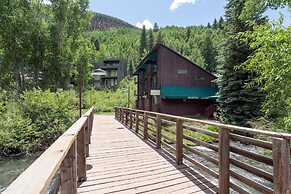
column 169, row 83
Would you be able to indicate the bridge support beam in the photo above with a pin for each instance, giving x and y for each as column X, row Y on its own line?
column 224, row 161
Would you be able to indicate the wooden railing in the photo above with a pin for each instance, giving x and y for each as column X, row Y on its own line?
column 227, row 156
column 65, row 160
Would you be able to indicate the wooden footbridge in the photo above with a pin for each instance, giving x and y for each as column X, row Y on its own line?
column 148, row 152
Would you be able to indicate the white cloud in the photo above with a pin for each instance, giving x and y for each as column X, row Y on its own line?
column 178, row 3
column 147, row 23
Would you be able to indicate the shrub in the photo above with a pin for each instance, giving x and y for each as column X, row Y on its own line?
column 52, row 113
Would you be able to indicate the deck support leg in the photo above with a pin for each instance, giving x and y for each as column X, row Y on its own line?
column 281, row 166
column 224, row 161
column 69, row 171
column 179, row 141
column 81, row 157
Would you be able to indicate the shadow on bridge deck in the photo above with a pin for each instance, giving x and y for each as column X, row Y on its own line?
column 120, row 161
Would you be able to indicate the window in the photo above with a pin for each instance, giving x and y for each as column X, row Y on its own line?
column 182, row 71
column 154, row 68
column 155, row 100
column 200, row 78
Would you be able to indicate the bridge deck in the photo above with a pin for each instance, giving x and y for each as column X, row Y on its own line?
column 121, row 162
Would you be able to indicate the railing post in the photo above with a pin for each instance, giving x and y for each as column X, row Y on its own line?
column 158, row 131
column 281, row 166
column 68, row 171
column 87, row 136
column 136, row 121
column 126, row 117
column 115, row 112
column 122, row 116
column 130, row 119
column 81, row 156
column 224, row 161
column 145, row 125
column 179, row 141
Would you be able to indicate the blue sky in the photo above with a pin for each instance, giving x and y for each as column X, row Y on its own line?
column 168, row 12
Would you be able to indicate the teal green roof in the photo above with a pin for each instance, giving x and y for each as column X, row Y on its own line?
column 182, row 92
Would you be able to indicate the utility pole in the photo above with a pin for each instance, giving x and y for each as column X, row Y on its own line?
column 80, row 89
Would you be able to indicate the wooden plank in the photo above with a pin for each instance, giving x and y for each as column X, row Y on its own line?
column 238, row 189
column 68, row 171
column 252, row 169
column 123, row 163
column 81, row 156
column 203, row 131
column 224, row 162
column 252, row 141
column 251, row 183
column 251, row 155
column 201, row 143
column 281, row 166
column 202, row 155
column 158, row 132
column 201, row 166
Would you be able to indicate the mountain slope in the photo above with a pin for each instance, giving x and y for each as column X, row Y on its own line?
column 104, row 22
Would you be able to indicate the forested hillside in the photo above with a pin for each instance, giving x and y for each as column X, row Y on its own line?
column 103, row 22
column 193, row 42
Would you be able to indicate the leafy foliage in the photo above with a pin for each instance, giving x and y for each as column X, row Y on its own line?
column 271, row 61
column 37, row 119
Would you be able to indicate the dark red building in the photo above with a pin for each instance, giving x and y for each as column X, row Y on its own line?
column 170, row 83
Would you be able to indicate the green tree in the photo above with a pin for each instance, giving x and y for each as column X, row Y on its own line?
column 151, row 39
column 188, row 34
column 160, row 38
column 156, row 27
column 237, row 103
column 220, row 23
column 215, row 24
column 271, row 62
column 143, row 42
column 209, row 52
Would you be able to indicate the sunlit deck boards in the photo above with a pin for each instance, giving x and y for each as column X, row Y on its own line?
column 121, row 162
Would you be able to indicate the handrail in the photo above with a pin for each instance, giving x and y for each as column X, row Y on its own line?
column 69, row 146
column 226, row 126
column 279, row 145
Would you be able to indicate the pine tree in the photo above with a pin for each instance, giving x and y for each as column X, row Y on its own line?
column 188, row 33
column 220, row 23
column 209, row 52
column 151, row 39
column 237, row 103
column 156, row 27
column 215, row 25
column 143, row 42
column 160, row 38
column 208, row 25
